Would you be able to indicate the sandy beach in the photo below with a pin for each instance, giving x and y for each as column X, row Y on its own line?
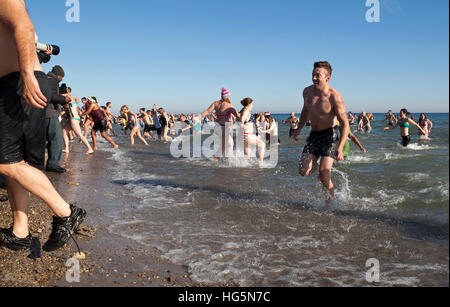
column 110, row 260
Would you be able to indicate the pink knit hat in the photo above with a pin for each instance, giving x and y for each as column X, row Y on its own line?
column 225, row 93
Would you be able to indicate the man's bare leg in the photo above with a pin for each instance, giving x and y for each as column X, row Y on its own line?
column 308, row 165
column 94, row 139
column 23, row 178
column 18, row 200
column 326, row 164
column 108, row 138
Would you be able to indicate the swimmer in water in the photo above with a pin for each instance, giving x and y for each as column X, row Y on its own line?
column 390, row 118
column 404, row 122
column 226, row 115
column 364, row 123
column 293, row 122
column 426, row 125
column 250, row 137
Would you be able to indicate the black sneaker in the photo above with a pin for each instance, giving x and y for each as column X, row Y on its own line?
column 57, row 169
column 63, row 228
column 9, row 240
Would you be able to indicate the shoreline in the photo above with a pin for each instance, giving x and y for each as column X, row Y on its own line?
column 111, row 260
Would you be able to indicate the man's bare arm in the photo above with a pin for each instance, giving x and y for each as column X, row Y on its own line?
column 14, row 15
column 341, row 114
column 304, row 115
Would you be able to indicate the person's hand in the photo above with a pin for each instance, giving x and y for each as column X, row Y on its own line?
column 32, row 92
column 386, row 128
column 364, row 150
column 295, row 135
column 338, row 155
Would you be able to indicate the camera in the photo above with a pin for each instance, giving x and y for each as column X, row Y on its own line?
column 42, row 50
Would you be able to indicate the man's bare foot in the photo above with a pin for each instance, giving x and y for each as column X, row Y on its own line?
column 90, row 152
column 65, row 151
column 117, row 146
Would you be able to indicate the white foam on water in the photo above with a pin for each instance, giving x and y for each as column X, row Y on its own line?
column 417, row 146
column 416, row 177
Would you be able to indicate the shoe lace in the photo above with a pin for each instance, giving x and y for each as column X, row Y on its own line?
column 59, row 226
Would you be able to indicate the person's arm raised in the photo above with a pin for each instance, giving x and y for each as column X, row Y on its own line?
column 208, row 111
column 14, row 15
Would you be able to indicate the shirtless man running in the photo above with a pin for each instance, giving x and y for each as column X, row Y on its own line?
column 293, row 122
column 324, row 106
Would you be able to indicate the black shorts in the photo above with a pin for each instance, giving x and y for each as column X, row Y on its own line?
column 22, row 128
column 149, row 128
column 291, row 132
column 323, row 143
column 406, row 140
column 101, row 126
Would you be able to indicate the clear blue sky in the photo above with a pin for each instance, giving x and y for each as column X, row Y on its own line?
column 180, row 53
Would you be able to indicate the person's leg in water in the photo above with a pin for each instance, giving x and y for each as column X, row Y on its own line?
column 138, row 133
column 308, row 165
column 86, row 125
column 77, row 129
column 228, row 142
column 326, row 164
column 94, row 139
column 132, row 133
column 164, row 134
column 108, row 138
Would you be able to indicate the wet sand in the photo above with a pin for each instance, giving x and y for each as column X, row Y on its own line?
column 111, row 260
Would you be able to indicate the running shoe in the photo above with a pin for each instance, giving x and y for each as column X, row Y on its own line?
column 9, row 240
column 63, row 228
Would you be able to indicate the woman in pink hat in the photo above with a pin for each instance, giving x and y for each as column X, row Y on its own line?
column 226, row 114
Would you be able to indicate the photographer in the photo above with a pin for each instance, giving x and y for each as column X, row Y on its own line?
column 54, row 132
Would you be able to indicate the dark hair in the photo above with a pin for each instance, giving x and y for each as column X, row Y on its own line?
column 405, row 111
column 424, row 115
column 324, row 64
column 70, row 89
column 103, row 107
column 84, row 98
column 108, row 103
column 142, row 109
column 246, row 101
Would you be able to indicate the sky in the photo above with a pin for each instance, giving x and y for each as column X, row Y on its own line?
column 178, row 54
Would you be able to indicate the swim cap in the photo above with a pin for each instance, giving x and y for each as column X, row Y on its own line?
column 225, row 93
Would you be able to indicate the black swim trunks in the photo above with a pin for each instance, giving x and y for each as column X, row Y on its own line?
column 323, row 143
column 149, row 128
column 291, row 132
column 22, row 128
column 406, row 140
column 101, row 126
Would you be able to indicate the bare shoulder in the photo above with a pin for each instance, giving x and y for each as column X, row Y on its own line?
column 308, row 90
column 335, row 97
